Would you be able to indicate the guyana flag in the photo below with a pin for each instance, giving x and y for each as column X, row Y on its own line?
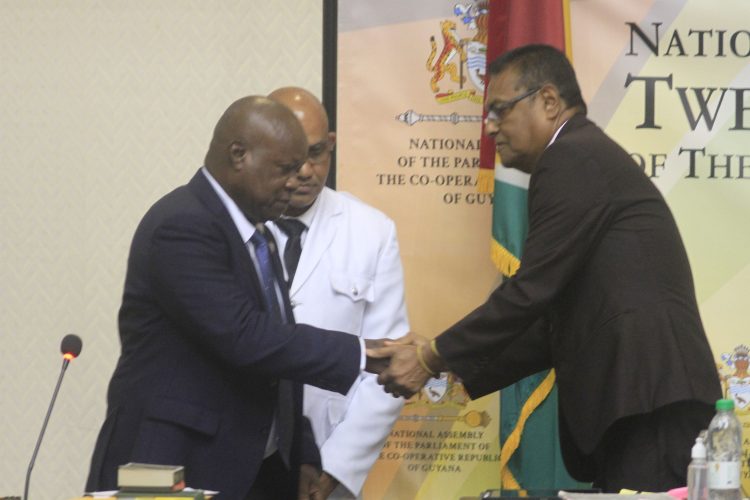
column 530, row 452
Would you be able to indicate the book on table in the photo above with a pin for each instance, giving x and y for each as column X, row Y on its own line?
column 150, row 477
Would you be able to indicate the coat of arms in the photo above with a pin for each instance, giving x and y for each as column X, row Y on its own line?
column 457, row 60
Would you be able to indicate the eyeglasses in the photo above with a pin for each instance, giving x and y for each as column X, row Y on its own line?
column 499, row 112
column 319, row 152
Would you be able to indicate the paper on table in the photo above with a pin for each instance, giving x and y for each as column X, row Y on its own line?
column 112, row 493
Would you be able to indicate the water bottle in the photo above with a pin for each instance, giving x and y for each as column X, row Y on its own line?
column 697, row 472
column 724, row 453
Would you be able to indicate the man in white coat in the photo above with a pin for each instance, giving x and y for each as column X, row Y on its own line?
column 348, row 278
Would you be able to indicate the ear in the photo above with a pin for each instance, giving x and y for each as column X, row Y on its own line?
column 551, row 100
column 238, row 153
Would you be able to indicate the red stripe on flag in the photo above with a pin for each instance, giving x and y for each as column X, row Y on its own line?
column 513, row 23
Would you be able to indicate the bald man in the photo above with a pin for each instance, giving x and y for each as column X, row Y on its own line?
column 212, row 366
column 348, row 278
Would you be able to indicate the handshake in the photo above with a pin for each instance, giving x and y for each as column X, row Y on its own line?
column 403, row 365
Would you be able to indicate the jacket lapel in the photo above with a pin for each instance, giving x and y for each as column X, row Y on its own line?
column 319, row 237
column 202, row 190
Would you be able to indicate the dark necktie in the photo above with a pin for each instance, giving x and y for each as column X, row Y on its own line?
column 293, row 228
column 265, row 250
column 267, row 274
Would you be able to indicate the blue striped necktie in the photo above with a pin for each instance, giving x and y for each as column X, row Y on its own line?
column 267, row 273
column 264, row 250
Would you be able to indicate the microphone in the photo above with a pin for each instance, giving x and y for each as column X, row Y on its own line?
column 70, row 347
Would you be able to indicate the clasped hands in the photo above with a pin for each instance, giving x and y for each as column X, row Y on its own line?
column 403, row 365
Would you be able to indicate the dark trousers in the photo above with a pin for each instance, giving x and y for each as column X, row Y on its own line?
column 274, row 481
column 650, row 452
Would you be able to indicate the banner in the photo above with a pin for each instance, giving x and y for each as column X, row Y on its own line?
column 409, row 98
column 670, row 82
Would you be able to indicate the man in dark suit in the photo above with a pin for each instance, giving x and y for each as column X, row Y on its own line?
column 212, row 366
column 604, row 293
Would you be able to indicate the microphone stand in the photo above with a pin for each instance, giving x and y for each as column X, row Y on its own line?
column 65, row 364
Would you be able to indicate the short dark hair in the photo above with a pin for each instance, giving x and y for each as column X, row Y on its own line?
column 541, row 64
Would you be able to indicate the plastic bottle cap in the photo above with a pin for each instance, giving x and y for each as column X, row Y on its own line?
column 725, row 404
column 699, row 448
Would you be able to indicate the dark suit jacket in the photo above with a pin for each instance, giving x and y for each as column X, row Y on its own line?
column 199, row 373
column 604, row 264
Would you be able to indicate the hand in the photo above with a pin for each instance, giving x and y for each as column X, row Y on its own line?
column 410, row 338
column 309, row 483
column 328, row 483
column 375, row 362
column 378, row 359
column 405, row 374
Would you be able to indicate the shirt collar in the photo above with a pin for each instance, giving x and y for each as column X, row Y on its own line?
column 309, row 215
column 556, row 133
column 245, row 228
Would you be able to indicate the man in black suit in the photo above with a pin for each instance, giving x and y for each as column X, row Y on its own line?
column 604, row 293
column 212, row 365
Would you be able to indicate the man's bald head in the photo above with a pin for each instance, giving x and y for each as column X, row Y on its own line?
column 314, row 119
column 257, row 147
column 251, row 120
column 305, row 106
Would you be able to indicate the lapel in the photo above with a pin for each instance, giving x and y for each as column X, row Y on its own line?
column 319, row 237
column 202, row 190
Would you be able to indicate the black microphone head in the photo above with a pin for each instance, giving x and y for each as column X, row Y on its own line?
column 71, row 346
